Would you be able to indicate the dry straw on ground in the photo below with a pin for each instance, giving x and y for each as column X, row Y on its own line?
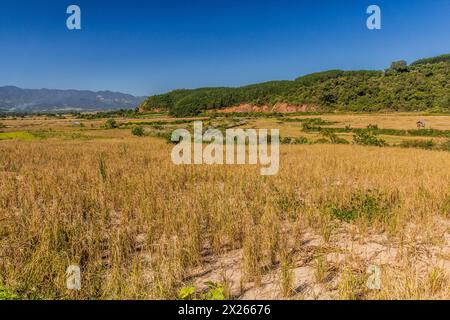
column 141, row 228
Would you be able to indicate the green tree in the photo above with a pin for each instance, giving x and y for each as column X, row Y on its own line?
column 399, row 66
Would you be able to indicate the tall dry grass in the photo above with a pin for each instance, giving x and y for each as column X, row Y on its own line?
column 136, row 224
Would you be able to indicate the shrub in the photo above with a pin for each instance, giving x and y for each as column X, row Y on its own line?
column 7, row 295
column 214, row 291
column 111, row 124
column 138, row 131
column 368, row 137
column 371, row 205
column 187, row 293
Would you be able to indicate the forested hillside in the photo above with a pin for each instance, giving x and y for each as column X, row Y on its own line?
column 422, row 85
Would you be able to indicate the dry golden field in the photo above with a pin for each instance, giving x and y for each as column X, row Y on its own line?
column 140, row 227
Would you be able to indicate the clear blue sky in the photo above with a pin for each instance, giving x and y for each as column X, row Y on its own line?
column 146, row 47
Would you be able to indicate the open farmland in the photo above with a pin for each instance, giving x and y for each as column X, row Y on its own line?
column 76, row 190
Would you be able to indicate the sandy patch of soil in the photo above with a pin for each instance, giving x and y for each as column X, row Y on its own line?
column 344, row 250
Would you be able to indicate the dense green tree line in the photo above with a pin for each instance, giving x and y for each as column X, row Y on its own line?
column 423, row 85
column 442, row 58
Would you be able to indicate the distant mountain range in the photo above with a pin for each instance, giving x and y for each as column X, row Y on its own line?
column 13, row 99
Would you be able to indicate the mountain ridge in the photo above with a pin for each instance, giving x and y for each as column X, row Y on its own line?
column 16, row 99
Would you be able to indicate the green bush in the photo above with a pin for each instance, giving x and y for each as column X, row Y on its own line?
column 111, row 124
column 370, row 205
column 138, row 131
column 7, row 295
column 187, row 293
column 214, row 291
column 368, row 137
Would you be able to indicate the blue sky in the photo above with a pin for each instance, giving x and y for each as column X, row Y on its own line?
column 148, row 47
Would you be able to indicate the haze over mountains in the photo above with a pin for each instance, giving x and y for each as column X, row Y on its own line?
column 14, row 99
